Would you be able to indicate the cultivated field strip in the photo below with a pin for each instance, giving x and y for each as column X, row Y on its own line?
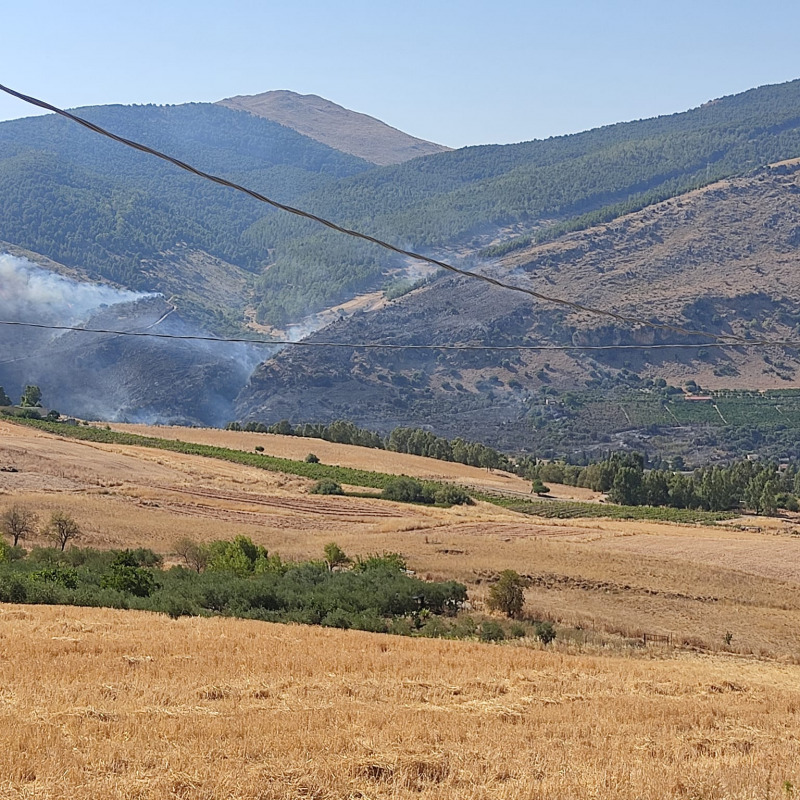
column 319, row 505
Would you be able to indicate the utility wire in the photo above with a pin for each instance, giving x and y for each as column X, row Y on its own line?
column 391, row 346
column 367, row 238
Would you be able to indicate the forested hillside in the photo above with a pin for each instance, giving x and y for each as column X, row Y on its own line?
column 91, row 203
column 120, row 215
column 468, row 195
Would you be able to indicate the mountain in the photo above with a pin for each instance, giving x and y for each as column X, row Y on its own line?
column 338, row 127
column 119, row 215
column 617, row 217
column 724, row 259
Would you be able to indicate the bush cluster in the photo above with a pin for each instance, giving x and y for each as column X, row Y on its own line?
column 233, row 578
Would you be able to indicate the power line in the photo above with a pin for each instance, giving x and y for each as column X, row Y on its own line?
column 619, row 317
column 393, row 346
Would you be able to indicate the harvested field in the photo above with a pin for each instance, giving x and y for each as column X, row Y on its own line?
column 345, row 455
column 102, row 703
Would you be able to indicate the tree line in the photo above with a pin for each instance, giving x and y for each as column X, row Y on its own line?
column 414, row 441
column 760, row 487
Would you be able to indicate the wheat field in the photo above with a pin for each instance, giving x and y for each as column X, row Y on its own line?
column 101, row 703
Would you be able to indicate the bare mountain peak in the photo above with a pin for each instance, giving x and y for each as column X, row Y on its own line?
column 336, row 126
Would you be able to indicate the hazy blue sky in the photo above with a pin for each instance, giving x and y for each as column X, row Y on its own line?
column 458, row 73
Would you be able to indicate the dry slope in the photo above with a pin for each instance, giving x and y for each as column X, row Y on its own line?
column 338, row 127
column 722, row 259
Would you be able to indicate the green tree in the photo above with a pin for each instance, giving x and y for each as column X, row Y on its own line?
column 335, row 556
column 627, row 486
column 241, row 556
column 31, row 397
column 538, row 488
column 768, row 502
column 507, row 595
column 5, row 400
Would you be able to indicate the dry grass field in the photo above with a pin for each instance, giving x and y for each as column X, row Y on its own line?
column 345, row 455
column 100, row 703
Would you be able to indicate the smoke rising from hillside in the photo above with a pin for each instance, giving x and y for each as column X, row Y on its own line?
column 103, row 376
column 31, row 294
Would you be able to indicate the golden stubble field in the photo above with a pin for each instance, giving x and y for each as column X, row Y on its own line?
column 101, row 703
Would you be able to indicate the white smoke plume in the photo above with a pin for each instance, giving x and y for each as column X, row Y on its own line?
column 29, row 293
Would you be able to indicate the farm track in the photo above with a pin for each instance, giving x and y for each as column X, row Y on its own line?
column 327, row 507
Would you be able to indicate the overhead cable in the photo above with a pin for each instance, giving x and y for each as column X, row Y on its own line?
column 396, row 346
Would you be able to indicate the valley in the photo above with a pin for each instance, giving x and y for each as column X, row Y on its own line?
column 448, row 451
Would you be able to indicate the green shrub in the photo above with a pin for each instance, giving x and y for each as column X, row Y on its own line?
column 434, row 628
column 127, row 576
column 326, row 486
column 178, row 605
column 393, row 562
column 407, row 490
column 311, row 458
column 337, row 618
column 452, row 496
column 63, row 576
column 464, row 627
column 545, row 632
column 491, row 631
column 401, row 626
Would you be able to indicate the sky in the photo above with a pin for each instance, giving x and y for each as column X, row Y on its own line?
column 457, row 73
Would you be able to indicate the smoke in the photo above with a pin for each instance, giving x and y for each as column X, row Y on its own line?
column 103, row 376
column 31, row 294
